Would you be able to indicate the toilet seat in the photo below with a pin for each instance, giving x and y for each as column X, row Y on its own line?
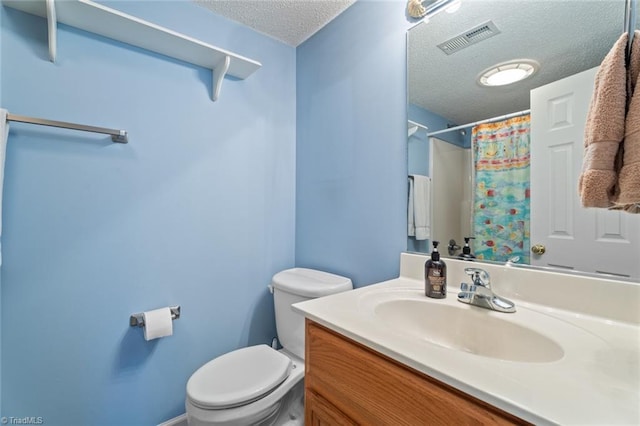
column 255, row 412
column 238, row 377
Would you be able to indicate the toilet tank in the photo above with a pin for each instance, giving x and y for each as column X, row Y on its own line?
column 297, row 285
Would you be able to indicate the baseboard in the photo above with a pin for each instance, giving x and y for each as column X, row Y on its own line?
column 181, row 420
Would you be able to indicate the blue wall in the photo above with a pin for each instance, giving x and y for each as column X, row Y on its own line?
column 197, row 210
column 351, row 169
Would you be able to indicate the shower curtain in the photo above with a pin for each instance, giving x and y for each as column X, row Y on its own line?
column 501, row 195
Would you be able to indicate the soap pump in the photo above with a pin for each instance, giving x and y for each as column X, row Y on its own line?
column 466, row 250
column 435, row 275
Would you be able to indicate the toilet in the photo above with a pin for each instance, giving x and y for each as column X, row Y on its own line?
column 258, row 385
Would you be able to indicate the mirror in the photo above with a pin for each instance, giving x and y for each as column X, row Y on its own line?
column 564, row 41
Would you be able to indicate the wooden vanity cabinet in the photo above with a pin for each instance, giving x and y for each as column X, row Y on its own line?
column 347, row 383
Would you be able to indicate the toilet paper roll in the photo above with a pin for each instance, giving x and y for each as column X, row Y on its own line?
column 157, row 323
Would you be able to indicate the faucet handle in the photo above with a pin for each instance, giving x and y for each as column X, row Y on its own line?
column 480, row 277
column 469, row 288
column 453, row 247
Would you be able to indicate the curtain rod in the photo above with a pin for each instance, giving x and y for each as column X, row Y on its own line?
column 119, row 136
column 415, row 123
column 475, row 123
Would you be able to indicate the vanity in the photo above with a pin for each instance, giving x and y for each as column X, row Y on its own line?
column 386, row 354
column 375, row 389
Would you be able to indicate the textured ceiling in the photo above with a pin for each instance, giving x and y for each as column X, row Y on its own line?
column 564, row 36
column 290, row 21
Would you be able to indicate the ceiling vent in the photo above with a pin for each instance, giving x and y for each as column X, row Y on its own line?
column 475, row 35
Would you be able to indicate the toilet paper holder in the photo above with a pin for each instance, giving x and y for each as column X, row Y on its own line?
column 137, row 320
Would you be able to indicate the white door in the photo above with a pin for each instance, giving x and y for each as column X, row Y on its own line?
column 574, row 237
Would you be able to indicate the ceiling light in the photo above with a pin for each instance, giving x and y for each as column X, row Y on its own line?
column 508, row 73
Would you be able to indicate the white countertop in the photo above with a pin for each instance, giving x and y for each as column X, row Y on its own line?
column 596, row 381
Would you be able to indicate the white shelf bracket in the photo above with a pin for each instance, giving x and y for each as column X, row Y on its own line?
column 218, row 75
column 52, row 26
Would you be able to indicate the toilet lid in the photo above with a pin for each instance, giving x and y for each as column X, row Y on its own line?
column 310, row 282
column 238, row 377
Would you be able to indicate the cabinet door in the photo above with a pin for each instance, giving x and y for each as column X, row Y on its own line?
column 361, row 386
column 320, row 412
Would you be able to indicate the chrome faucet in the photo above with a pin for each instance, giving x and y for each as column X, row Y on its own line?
column 480, row 294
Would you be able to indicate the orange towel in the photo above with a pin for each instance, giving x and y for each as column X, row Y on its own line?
column 628, row 188
column 604, row 130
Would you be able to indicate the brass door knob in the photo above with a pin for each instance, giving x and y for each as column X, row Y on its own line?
column 538, row 249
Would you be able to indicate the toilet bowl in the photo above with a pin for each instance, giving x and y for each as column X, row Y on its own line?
column 259, row 385
column 239, row 403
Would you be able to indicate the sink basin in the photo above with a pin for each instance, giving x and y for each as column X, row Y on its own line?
column 465, row 328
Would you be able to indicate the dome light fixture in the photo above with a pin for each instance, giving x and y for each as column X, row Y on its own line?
column 507, row 73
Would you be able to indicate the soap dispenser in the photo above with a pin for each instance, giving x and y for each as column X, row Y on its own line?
column 466, row 250
column 435, row 275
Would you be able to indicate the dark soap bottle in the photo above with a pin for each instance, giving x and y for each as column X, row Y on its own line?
column 466, row 250
column 435, row 275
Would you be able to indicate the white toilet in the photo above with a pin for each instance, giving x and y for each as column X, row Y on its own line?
column 258, row 385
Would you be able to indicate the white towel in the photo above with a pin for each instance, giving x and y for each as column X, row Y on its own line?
column 411, row 231
column 419, row 208
column 4, row 134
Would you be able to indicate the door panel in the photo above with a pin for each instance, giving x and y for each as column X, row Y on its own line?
column 584, row 239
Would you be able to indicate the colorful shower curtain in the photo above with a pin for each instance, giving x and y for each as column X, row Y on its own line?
column 501, row 200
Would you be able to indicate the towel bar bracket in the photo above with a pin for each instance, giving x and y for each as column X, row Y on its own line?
column 120, row 138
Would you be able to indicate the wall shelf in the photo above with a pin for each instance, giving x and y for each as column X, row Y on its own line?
column 96, row 18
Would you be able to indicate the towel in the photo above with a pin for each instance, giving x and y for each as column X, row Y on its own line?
column 604, row 130
column 4, row 134
column 628, row 188
column 419, row 207
column 411, row 226
column 633, row 67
